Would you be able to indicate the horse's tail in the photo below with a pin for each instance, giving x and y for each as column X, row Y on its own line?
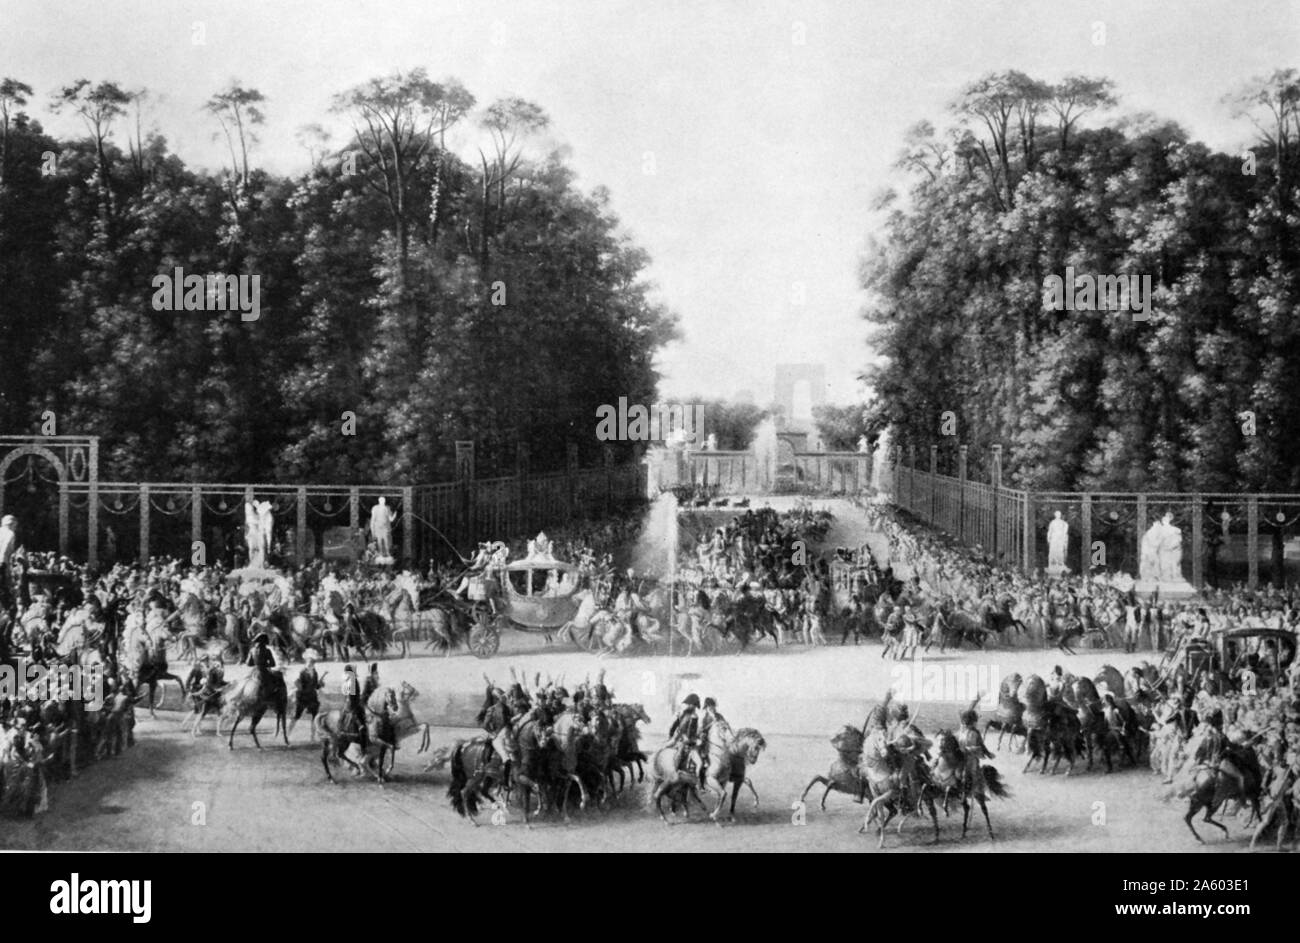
column 993, row 780
column 456, row 791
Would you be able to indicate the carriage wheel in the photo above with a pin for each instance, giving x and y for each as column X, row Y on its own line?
column 484, row 640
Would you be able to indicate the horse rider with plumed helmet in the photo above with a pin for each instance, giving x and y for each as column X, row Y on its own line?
column 973, row 750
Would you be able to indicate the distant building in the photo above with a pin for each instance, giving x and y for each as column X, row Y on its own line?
column 800, row 387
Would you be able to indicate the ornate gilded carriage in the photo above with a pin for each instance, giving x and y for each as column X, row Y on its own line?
column 529, row 595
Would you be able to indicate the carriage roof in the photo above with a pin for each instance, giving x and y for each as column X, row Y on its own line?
column 522, row 565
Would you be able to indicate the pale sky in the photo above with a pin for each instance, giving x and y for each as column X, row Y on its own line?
column 742, row 142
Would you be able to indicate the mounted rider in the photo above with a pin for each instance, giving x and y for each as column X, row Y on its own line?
column 1216, row 752
column 684, row 734
column 910, row 747
column 261, row 660
column 973, row 752
column 875, row 751
column 204, row 683
column 354, row 711
column 307, row 690
column 710, row 719
column 371, row 684
column 496, row 718
column 333, row 601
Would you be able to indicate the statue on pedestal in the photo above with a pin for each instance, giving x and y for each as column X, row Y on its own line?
column 381, row 530
column 266, row 529
column 1058, row 542
column 258, row 528
column 1161, row 556
column 253, row 536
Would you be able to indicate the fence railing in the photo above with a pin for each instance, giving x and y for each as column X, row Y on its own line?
column 1226, row 536
column 204, row 521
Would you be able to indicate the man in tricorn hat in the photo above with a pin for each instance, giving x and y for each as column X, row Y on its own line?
column 684, row 734
column 261, row 660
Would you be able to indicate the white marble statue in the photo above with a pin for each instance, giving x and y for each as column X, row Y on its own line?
column 1162, row 552
column 381, row 529
column 864, row 444
column 265, row 529
column 1058, row 542
column 711, row 443
column 253, row 536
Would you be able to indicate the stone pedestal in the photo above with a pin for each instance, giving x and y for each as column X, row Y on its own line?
column 1177, row 589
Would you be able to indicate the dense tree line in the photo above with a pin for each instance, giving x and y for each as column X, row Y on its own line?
column 430, row 297
column 1031, row 178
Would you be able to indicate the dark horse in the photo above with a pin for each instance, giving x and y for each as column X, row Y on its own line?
column 477, row 770
column 336, row 736
column 1213, row 787
column 950, row 775
column 151, row 671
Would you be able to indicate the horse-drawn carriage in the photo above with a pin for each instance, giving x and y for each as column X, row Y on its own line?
column 529, row 595
column 1266, row 651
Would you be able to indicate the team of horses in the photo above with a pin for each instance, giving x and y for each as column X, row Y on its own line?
column 552, row 760
column 899, row 782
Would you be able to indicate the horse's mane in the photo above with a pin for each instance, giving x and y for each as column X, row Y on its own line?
column 750, row 733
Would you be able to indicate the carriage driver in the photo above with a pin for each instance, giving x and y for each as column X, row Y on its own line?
column 684, row 734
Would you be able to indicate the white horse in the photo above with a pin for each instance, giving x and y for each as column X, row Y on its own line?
column 590, row 618
column 405, row 725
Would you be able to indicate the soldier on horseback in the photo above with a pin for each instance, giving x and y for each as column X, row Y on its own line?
column 354, row 712
column 261, row 660
column 307, row 691
column 496, row 717
column 710, row 718
column 974, row 751
column 1215, row 752
column 194, row 680
column 684, row 734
